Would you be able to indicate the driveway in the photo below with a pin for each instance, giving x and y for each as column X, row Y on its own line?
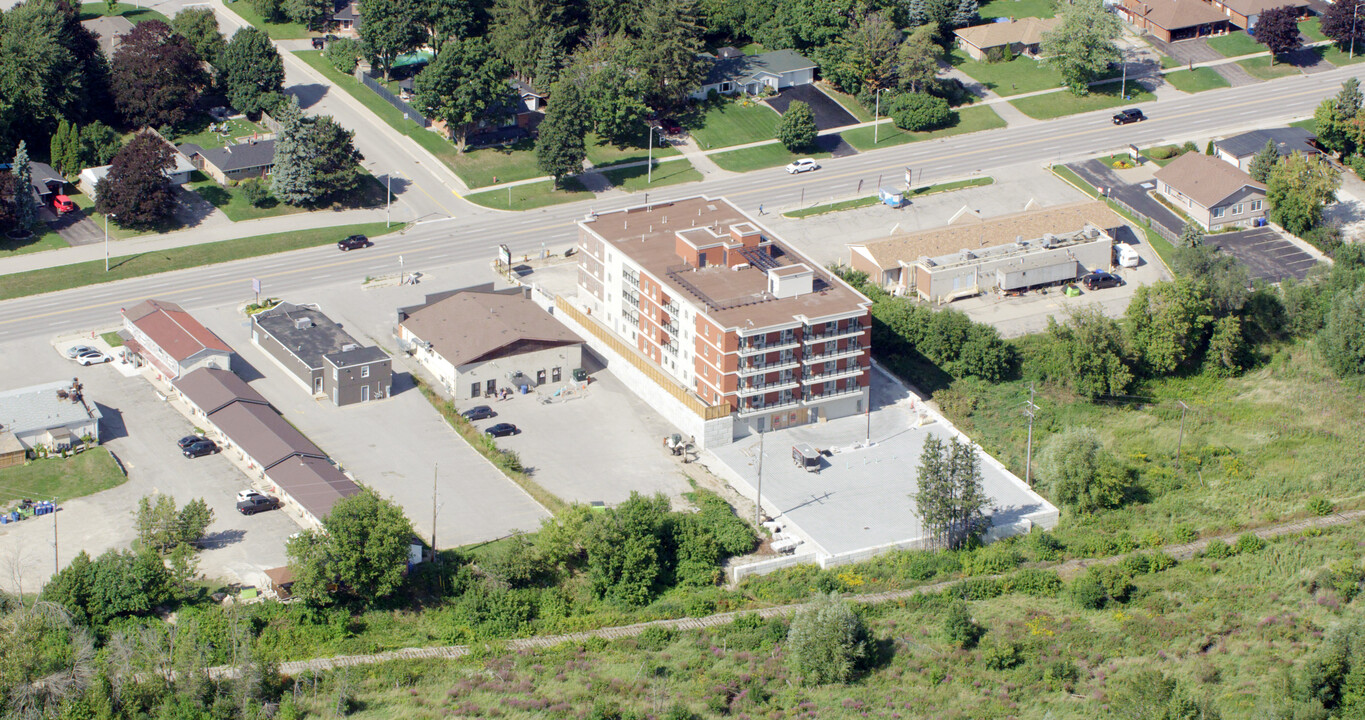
column 1098, row 174
column 1186, row 51
column 828, row 113
column 76, row 228
column 1267, row 254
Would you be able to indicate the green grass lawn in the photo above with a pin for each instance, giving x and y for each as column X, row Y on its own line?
column 197, row 132
column 1235, row 44
column 762, row 156
column 1020, row 75
column 1017, row 8
column 969, row 119
column 492, row 165
column 1065, row 173
column 733, row 122
column 873, row 200
column 133, row 13
column 1342, row 56
column 1058, row 104
column 604, row 154
column 633, row 179
column 276, row 31
column 233, row 202
column 82, row 474
column 45, row 239
column 112, row 338
column 1311, row 125
column 848, row 102
column 1312, row 29
column 150, row 263
column 530, row 195
column 1261, row 68
column 1197, row 80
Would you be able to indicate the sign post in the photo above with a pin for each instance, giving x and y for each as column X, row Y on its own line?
column 256, row 288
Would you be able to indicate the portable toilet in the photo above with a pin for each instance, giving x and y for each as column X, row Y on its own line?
column 892, row 197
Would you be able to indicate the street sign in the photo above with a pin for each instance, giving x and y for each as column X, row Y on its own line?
column 908, row 181
column 256, row 285
column 505, row 255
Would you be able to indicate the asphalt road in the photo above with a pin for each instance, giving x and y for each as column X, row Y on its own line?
column 477, row 233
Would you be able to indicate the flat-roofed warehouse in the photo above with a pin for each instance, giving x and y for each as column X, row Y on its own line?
column 968, row 258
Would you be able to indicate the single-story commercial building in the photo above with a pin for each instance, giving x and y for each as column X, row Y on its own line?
column 1212, row 192
column 1175, row 20
column 1240, row 149
column 1009, row 253
column 311, row 485
column 53, row 415
column 171, row 340
column 476, row 339
column 261, row 436
column 1245, row 13
column 321, row 355
column 243, row 161
column 108, row 32
column 988, row 41
column 208, row 390
column 751, row 73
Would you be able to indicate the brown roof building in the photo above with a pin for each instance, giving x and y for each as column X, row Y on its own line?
column 1245, row 13
column 264, row 438
column 171, row 340
column 314, row 484
column 1022, row 36
column 1213, row 192
column 1174, row 20
column 208, row 390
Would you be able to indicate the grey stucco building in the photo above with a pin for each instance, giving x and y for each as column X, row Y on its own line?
column 321, row 355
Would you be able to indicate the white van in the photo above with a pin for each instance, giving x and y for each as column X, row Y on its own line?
column 1126, row 255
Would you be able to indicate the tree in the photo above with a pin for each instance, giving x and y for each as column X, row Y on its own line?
column 117, row 584
column 1167, row 323
column 950, row 501
column 136, row 192
column 1191, row 235
column 391, row 28
column 1087, row 353
column 667, row 54
column 625, row 550
column 1218, row 276
column 615, row 96
column 868, row 54
column 965, row 13
column 1263, row 162
column 7, row 222
column 99, row 144
column 1080, row 474
column 447, row 20
column 57, row 148
column 25, row 207
column 521, row 29
column 827, row 642
column 559, row 147
column 364, row 549
column 917, row 59
column 919, row 111
column 1082, row 47
column 1341, row 22
column 1226, row 354
column 251, row 71
column 1349, row 98
column 1336, row 127
column 796, row 130
column 1343, row 336
column 337, row 162
column 344, row 54
column 312, row 14
column 293, row 178
column 71, row 161
column 959, row 628
column 464, row 84
column 1298, row 188
column 156, row 76
column 1278, row 30
column 269, row 10
column 200, row 26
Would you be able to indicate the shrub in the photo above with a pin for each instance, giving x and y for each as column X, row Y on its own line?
column 993, row 559
column 1218, row 550
column 1185, row 534
column 1320, row 506
column 1249, row 543
column 959, row 628
column 1189, row 147
column 1080, row 474
column 733, row 535
column 344, row 54
column 1002, row 655
column 654, row 638
column 1163, row 152
column 255, row 193
column 796, row 130
column 920, row 111
column 1033, row 581
column 980, row 589
column 1326, row 238
column 827, row 642
column 1044, row 545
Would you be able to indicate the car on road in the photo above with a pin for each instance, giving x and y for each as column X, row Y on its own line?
column 502, row 429
column 1131, row 115
column 92, row 357
column 479, row 412
column 188, row 440
column 354, row 242
column 76, row 351
column 200, row 448
column 802, row 165
column 1100, row 279
column 257, row 503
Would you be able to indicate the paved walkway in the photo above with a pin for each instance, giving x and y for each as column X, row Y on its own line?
column 1012, row 115
column 701, row 159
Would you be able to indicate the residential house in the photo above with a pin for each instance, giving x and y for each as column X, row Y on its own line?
column 45, row 182
column 163, row 335
column 53, row 415
column 1175, row 20
column 1213, row 192
column 1240, row 149
column 322, row 356
column 243, row 161
column 534, row 100
column 698, row 295
column 476, row 338
column 346, row 17
column 108, row 32
column 988, row 41
column 752, row 73
column 973, row 256
column 177, row 175
column 1245, row 13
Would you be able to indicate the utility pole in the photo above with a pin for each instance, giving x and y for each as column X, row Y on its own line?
column 388, row 178
column 434, row 468
column 869, row 419
column 56, row 559
column 1123, row 85
column 876, row 115
column 1030, row 409
column 1180, row 439
column 758, row 503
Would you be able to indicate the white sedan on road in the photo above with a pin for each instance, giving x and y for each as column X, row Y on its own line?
column 802, row 165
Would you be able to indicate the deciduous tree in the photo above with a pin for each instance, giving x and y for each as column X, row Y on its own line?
column 1342, row 22
column 917, row 59
column 868, row 53
column 1082, row 47
column 448, row 20
column 1278, row 30
column 1167, row 323
column 1298, row 188
column 1080, row 474
column 391, row 28
column 1343, row 337
column 466, row 83
column 136, row 192
column 199, row 25
column 364, row 549
column 625, row 550
column 312, row 14
column 1087, row 353
column 618, row 109
column 251, row 71
column 826, row 642
column 156, row 76
column 796, row 130
column 99, row 144
column 559, row 147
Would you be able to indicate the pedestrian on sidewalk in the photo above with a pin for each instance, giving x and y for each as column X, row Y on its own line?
column 760, row 208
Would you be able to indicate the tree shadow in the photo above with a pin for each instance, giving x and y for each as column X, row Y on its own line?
column 221, row 539
column 308, row 95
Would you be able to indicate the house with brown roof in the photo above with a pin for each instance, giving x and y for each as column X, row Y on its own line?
column 988, row 41
column 209, row 390
column 1245, row 13
column 1175, row 20
column 311, row 485
column 1213, row 192
column 473, row 339
column 163, row 335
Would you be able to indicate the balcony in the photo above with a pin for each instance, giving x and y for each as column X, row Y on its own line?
column 747, row 390
column 671, row 307
column 850, row 351
column 826, row 336
column 760, row 408
column 823, row 397
column 632, row 280
column 836, row 375
column 786, row 343
column 755, row 368
column 671, row 328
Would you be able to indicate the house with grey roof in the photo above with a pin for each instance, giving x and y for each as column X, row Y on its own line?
column 321, row 355
column 1212, row 192
column 1240, row 149
column 109, row 32
column 731, row 73
column 53, row 415
column 243, row 161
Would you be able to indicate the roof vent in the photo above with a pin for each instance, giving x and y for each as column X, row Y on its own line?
column 1049, row 239
column 303, row 323
column 349, row 347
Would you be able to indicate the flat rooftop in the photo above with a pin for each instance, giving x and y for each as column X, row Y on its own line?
column 647, row 234
column 309, row 334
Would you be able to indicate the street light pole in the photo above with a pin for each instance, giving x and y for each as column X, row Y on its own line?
column 106, row 243
column 1355, row 8
column 388, row 177
column 876, row 115
column 649, row 176
column 758, row 502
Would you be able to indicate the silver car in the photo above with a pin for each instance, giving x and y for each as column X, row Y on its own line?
column 76, row 351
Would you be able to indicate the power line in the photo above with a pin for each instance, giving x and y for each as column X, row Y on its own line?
column 1030, row 409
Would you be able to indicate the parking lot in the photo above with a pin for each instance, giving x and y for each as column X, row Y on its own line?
column 1266, row 254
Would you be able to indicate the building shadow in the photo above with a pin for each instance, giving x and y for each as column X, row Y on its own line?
column 112, row 426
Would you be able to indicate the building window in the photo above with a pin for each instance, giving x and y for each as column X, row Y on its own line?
column 1237, row 209
column 1255, row 205
column 554, row 375
column 334, row 373
column 364, row 371
column 473, row 390
column 1217, row 212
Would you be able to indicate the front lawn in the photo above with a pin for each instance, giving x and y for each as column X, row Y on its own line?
column 112, row 338
column 1058, row 104
column 197, row 131
column 604, row 154
column 233, row 202
column 1020, row 75
column 132, row 13
column 1339, row 56
column 733, row 122
column 759, row 157
column 1261, row 68
column 1017, row 9
column 1066, row 174
column 634, row 179
column 530, row 195
column 45, row 239
column 276, row 31
column 1312, row 29
column 1197, row 80
column 1235, row 44
column 493, row 165
column 969, row 119
column 82, row 474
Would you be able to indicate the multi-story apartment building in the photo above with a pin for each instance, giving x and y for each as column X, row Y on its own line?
column 728, row 310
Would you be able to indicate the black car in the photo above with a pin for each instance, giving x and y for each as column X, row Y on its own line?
column 188, row 440
column 502, row 429
column 354, row 242
column 1100, row 279
column 479, row 412
column 257, row 503
column 200, row 448
column 1131, row 115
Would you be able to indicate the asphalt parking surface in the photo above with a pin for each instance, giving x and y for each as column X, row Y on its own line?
column 828, row 113
column 1267, row 255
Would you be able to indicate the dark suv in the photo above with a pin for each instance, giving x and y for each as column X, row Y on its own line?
column 354, row 242
column 200, row 448
column 479, row 412
column 1131, row 115
column 257, row 503
column 1100, row 279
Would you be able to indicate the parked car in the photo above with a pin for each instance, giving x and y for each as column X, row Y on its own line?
column 479, row 412
column 188, row 440
column 257, row 503
column 1131, row 115
column 201, row 448
column 1100, row 279
column 76, row 351
column 670, row 126
column 354, row 242
column 502, row 429
column 244, row 495
column 93, row 357
column 62, row 204
column 802, row 165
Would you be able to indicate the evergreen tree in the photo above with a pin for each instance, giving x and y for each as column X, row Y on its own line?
column 1349, row 98
column 1208, row 149
column 337, row 171
column 965, row 14
column 1191, row 235
column 916, row 13
column 667, row 52
column 72, row 161
column 559, row 148
column 57, row 149
column 25, row 207
column 1264, row 161
column 294, row 175
column 950, row 501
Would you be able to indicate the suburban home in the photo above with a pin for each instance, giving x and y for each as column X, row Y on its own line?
column 347, row 17
column 53, row 415
column 208, row 390
column 1213, row 192
column 243, row 161
column 1245, row 13
column 178, row 175
column 988, row 41
column 476, row 338
column 163, row 335
column 1175, row 20
column 108, row 32
column 324, row 358
column 973, row 256
column 533, row 99
column 749, row 74
column 1240, row 149
column 46, row 182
